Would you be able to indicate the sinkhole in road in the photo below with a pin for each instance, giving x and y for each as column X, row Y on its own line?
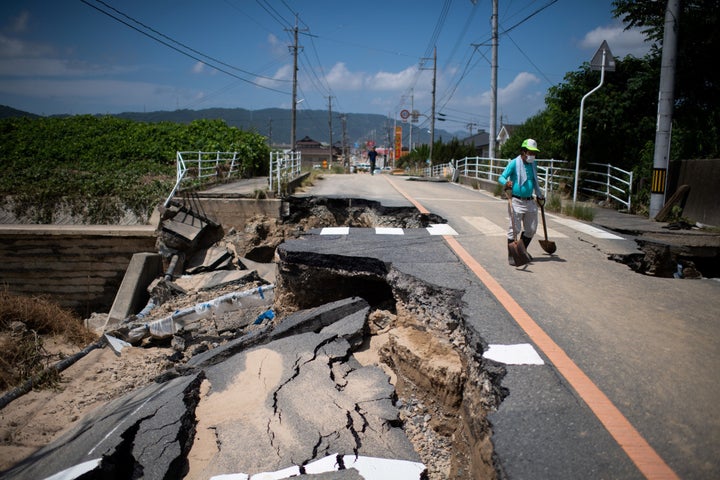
column 415, row 331
column 668, row 260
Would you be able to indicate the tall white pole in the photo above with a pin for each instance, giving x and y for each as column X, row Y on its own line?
column 666, row 97
column 493, row 79
column 582, row 104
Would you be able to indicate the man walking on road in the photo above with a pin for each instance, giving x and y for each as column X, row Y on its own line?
column 520, row 175
column 372, row 156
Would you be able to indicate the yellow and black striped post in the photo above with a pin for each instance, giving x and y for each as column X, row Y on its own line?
column 659, row 180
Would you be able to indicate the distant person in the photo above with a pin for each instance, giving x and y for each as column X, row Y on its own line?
column 520, row 176
column 372, row 156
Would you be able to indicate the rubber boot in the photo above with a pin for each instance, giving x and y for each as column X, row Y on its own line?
column 526, row 241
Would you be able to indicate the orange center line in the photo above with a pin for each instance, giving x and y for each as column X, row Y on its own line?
column 650, row 464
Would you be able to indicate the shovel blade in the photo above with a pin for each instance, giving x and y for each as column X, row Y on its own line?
column 517, row 251
column 548, row 245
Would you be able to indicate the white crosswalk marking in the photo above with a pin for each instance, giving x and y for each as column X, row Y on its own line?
column 491, row 229
column 432, row 229
column 441, row 229
column 519, row 354
column 585, row 228
column 389, row 231
column 485, row 226
column 335, row 231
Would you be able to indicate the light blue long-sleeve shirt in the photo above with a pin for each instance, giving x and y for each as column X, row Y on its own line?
column 527, row 188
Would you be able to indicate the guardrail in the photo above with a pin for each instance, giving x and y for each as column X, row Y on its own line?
column 200, row 168
column 611, row 182
column 614, row 181
column 284, row 167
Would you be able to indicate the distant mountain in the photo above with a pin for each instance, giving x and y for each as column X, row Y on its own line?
column 9, row 112
column 275, row 124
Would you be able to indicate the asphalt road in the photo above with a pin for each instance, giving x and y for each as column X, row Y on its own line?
column 647, row 346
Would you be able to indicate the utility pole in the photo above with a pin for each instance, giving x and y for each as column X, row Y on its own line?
column 493, row 78
column 666, row 97
column 432, row 116
column 270, row 132
column 346, row 160
column 294, row 48
column 330, row 125
column 432, row 122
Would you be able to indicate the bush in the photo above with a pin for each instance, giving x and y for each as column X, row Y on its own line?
column 24, row 323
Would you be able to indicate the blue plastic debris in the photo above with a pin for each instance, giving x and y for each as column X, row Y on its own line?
column 268, row 314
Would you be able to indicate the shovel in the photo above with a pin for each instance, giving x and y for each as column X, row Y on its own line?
column 546, row 244
column 516, row 248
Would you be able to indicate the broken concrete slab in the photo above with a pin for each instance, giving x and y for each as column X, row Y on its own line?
column 145, row 434
column 302, row 321
column 283, row 404
column 132, row 294
column 299, row 413
column 208, row 259
column 266, row 271
column 209, row 280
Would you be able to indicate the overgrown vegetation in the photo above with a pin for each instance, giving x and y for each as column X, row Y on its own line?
column 98, row 167
column 25, row 323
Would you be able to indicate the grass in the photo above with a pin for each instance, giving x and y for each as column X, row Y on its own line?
column 24, row 324
column 580, row 211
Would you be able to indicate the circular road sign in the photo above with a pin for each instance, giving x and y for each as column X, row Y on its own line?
column 404, row 114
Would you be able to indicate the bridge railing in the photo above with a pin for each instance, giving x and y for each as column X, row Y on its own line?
column 194, row 169
column 608, row 181
column 284, row 167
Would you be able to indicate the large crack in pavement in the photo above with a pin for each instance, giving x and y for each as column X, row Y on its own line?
column 381, row 365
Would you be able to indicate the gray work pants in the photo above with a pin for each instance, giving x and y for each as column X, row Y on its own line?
column 526, row 218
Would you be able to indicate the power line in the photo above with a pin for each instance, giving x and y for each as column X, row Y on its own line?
column 204, row 62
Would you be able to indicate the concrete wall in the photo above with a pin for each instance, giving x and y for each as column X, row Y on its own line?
column 79, row 267
column 703, row 201
column 82, row 267
column 235, row 212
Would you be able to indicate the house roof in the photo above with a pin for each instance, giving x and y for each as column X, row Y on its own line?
column 480, row 139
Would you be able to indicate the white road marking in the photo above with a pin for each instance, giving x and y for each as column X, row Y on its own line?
column 585, row 228
column 520, row 354
column 389, row 231
column 486, row 227
column 335, row 231
column 441, row 229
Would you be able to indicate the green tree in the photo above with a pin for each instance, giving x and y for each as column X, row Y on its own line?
column 618, row 118
column 696, row 115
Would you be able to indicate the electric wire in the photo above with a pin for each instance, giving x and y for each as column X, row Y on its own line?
column 86, row 2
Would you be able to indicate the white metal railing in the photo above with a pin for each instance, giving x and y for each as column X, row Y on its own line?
column 197, row 168
column 284, row 167
column 611, row 182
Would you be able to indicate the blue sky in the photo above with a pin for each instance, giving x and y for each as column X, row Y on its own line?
column 368, row 56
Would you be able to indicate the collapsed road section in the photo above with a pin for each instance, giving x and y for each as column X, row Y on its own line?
column 365, row 360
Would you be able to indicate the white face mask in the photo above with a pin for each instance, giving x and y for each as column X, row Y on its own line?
column 530, row 159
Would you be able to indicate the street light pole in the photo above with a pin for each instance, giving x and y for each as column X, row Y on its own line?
column 432, row 118
column 604, row 53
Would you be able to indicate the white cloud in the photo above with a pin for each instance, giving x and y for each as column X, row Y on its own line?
column 278, row 48
column 11, row 47
column 340, row 78
column 199, row 67
column 621, row 42
column 54, row 67
column 393, row 81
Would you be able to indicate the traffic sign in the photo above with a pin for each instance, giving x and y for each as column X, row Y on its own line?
column 597, row 61
column 404, row 114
